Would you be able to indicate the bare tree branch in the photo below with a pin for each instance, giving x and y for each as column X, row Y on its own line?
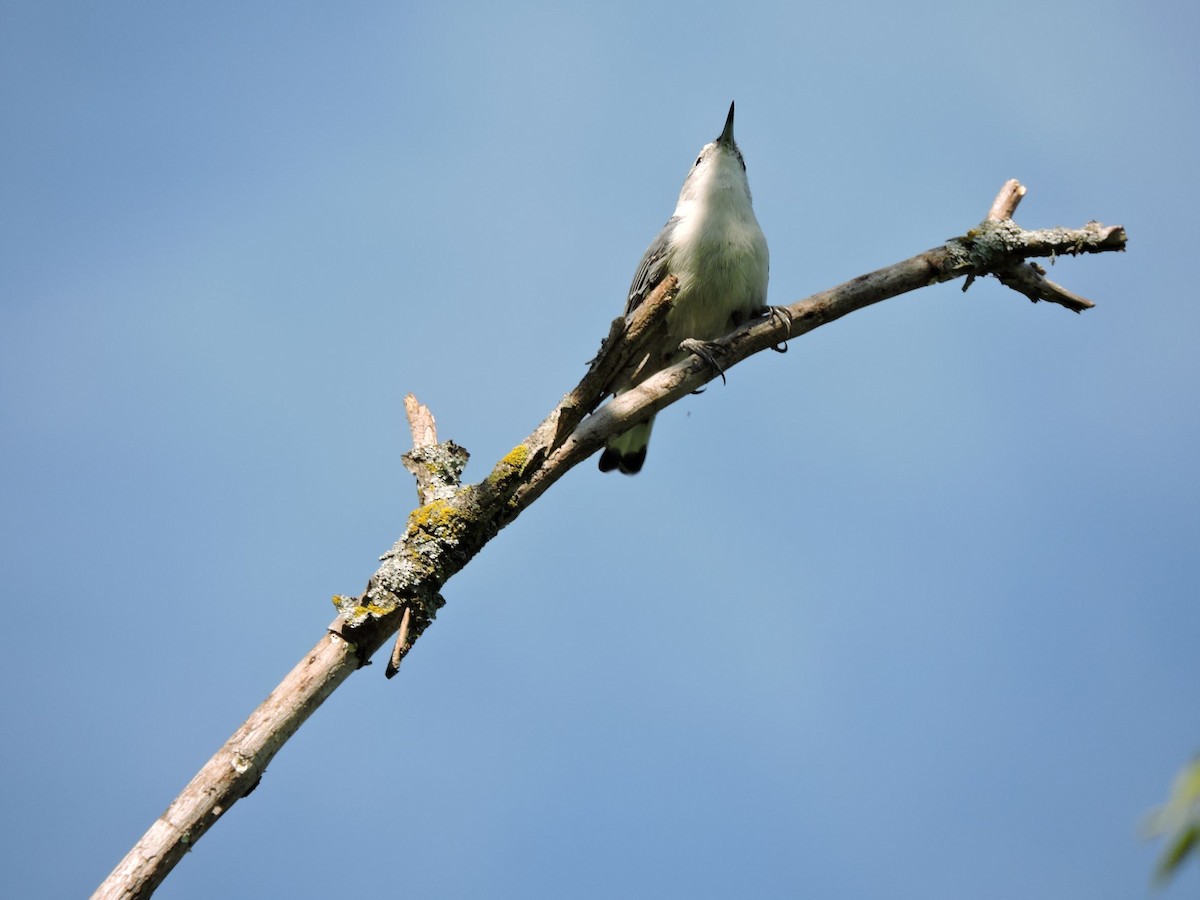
column 1029, row 278
column 454, row 521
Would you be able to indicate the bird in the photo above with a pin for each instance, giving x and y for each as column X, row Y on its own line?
column 714, row 246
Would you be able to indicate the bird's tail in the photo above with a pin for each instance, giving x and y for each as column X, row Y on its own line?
column 627, row 452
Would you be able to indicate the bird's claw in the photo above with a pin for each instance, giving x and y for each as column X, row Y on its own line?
column 708, row 351
column 783, row 316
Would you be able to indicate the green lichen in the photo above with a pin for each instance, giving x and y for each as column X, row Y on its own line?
column 510, row 467
column 434, row 517
column 355, row 613
column 516, row 457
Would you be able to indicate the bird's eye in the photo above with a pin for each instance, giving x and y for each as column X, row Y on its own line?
column 698, row 158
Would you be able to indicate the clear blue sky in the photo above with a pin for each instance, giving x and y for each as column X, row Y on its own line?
column 910, row 612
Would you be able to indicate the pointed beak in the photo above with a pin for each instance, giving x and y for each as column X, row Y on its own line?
column 726, row 136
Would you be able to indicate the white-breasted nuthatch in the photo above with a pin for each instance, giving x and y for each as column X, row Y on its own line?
column 713, row 245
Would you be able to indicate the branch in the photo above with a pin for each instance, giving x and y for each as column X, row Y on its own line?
column 1029, row 278
column 455, row 521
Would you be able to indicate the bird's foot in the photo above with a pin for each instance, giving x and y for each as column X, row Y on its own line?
column 781, row 315
column 709, row 353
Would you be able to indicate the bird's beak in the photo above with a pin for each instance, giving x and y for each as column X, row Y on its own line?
column 726, row 136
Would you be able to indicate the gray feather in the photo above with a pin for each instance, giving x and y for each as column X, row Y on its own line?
column 652, row 269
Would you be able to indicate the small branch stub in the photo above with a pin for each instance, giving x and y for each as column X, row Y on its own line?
column 420, row 422
column 1006, row 202
column 401, row 646
column 437, row 467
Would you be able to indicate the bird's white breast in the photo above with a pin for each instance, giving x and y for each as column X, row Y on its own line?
column 719, row 254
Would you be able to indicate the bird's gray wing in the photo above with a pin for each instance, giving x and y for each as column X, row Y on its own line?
column 652, row 269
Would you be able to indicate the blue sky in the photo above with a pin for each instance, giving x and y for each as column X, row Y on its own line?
column 909, row 612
